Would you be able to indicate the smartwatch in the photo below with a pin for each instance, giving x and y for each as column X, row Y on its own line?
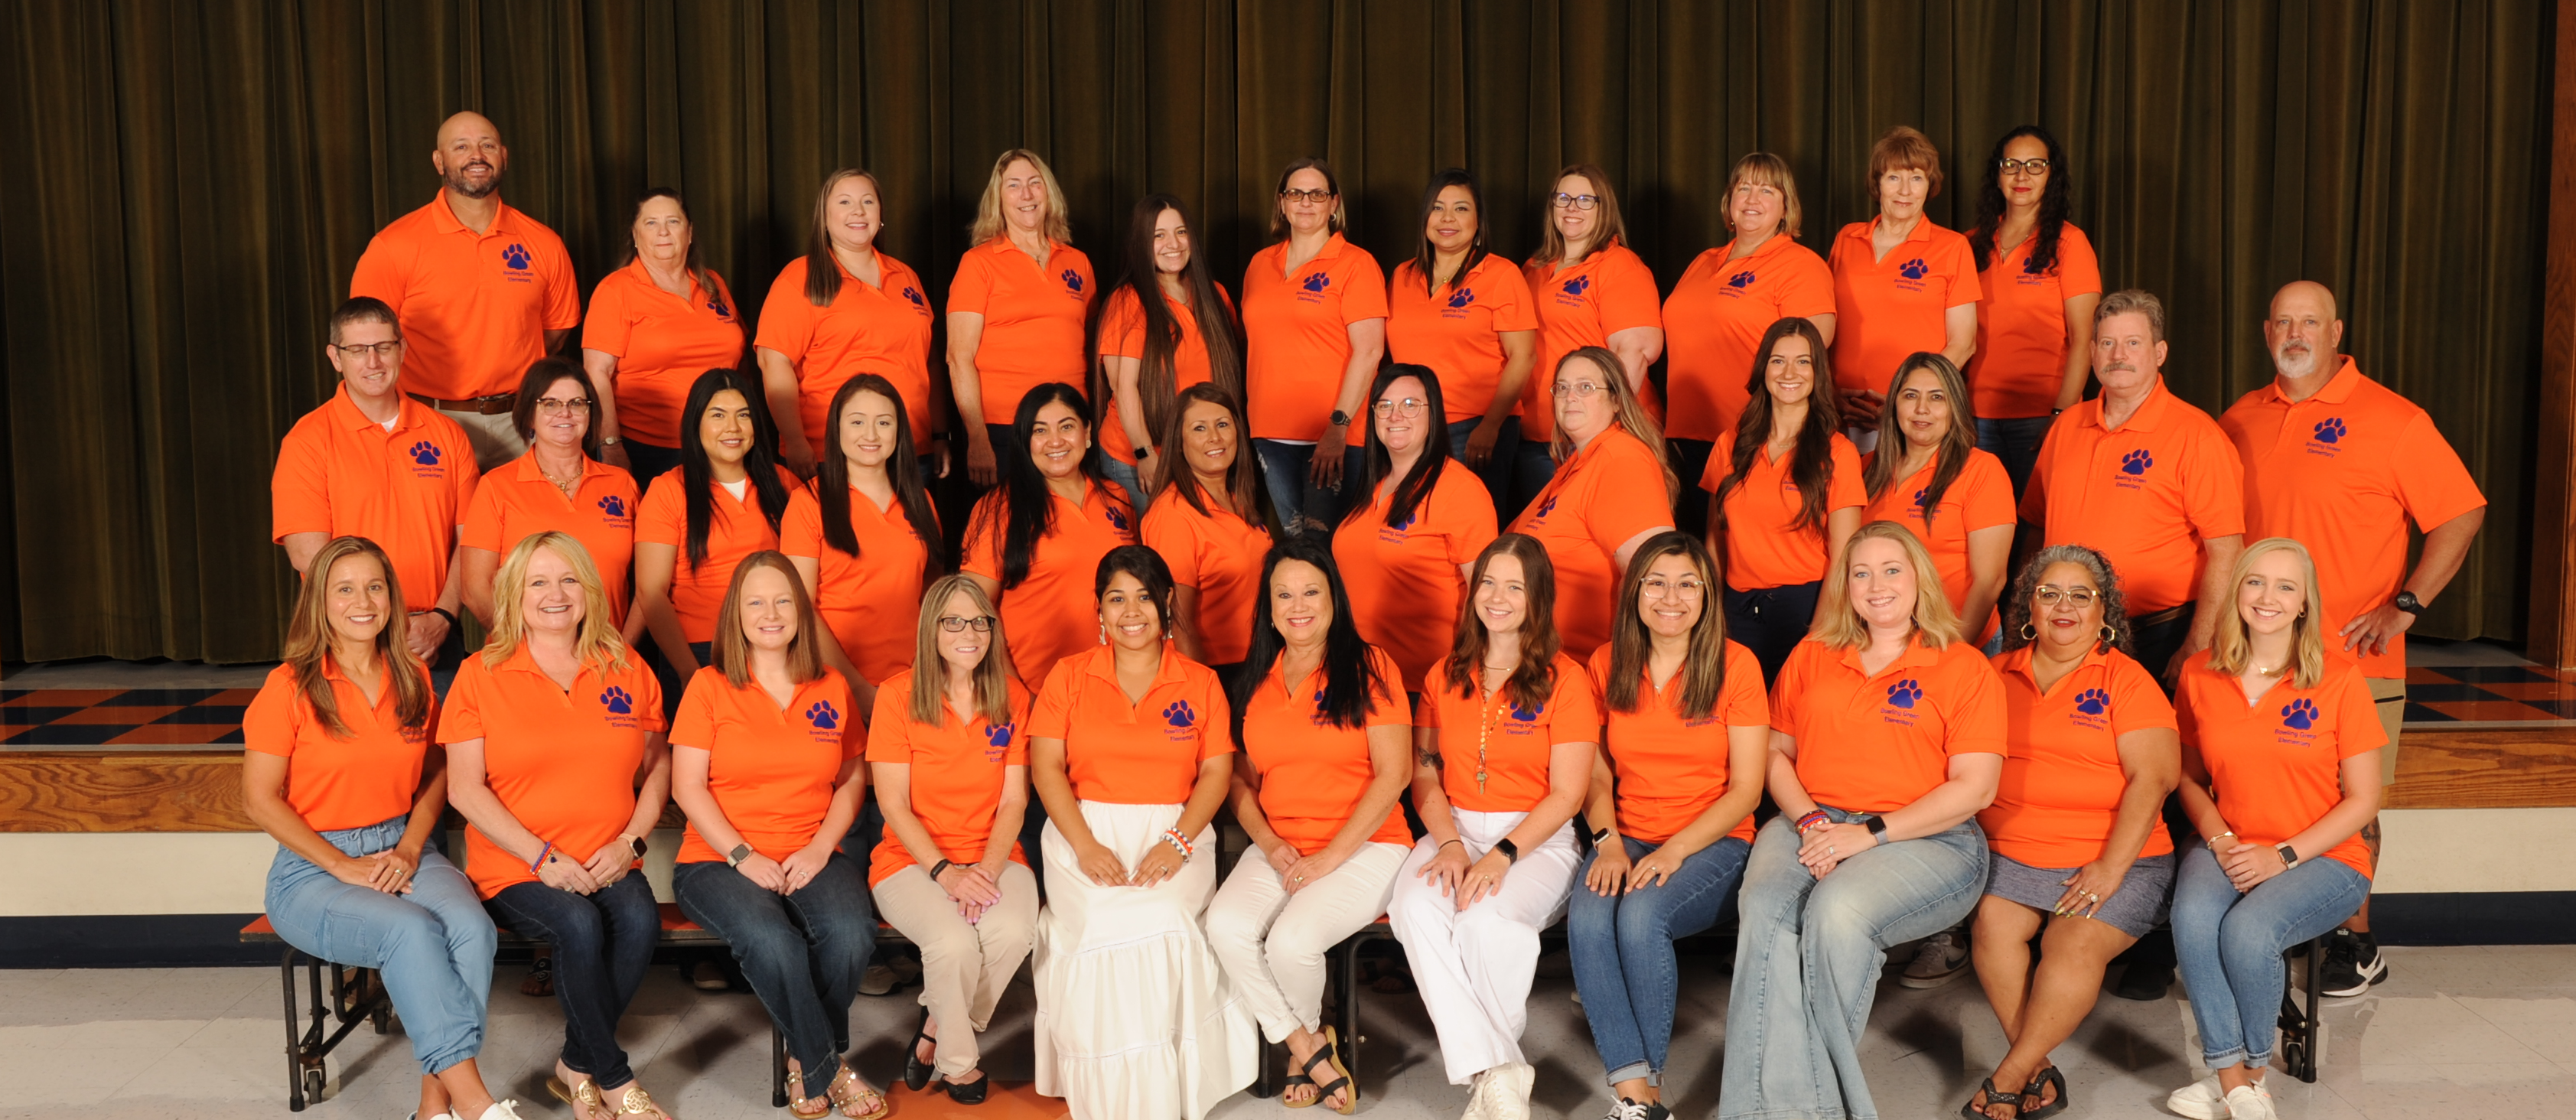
column 1599, row 835
column 2289, row 857
column 637, row 842
column 941, row 868
column 1511, row 851
column 1340, row 419
column 1877, row 828
column 2406, row 601
column 739, row 853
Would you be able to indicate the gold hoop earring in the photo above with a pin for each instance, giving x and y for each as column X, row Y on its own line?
column 2108, row 635
column 2030, row 631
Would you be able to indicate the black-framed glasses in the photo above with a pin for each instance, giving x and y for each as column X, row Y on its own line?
column 957, row 624
column 1295, row 195
column 2038, row 166
column 2079, row 597
column 1577, row 201
column 358, row 351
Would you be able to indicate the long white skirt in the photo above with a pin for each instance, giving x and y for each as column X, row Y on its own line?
column 1135, row 1019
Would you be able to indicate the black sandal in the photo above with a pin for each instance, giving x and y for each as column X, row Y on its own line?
column 2037, row 1111
column 1329, row 1056
column 917, row 1073
column 1973, row 1111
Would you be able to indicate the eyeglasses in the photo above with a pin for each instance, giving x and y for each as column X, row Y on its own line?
column 1294, row 195
column 1686, row 589
column 1576, row 388
column 358, row 351
column 2021, row 166
column 1408, row 407
column 1577, row 201
column 2079, row 598
column 551, row 405
column 981, row 624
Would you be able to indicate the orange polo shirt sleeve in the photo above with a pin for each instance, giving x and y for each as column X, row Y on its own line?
column 1671, row 768
column 1874, row 743
column 1033, row 319
column 1313, row 772
column 1888, row 307
column 563, row 762
column 1764, row 545
column 1146, row 753
column 369, row 777
column 1608, row 292
column 1403, row 580
column 2277, row 765
column 2021, row 325
column 882, row 328
column 1715, row 320
column 1219, row 556
column 1495, row 751
column 662, row 343
column 955, row 777
column 771, row 770
column 1297, row 339
column 1457, row 331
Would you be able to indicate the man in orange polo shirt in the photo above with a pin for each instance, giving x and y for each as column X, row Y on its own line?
column 2337, row 462
column 483, row 290
column 371, row 464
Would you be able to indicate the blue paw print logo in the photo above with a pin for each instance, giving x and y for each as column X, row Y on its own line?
column 613, row 506
column 1904, row 693
column 1072, row 280
column 1915, row 269
column 2331, row 430
column 2299, row 714
column 618, row 700
column 1918, row 503
column 1742, row 279
column 1408, row 521
column 999, row 735
column 2136, row 462
column 1463, row 297
column 1317, row 282
column 718, row 306
column 1180, row 714
column 914, row 294
column 823, row 715
column 2093, row 702
column 2030, row 266
column 1578, row 285
column 516, row 256
column 1528, row 713
column 425, row 453
column 1117, row 519
column 1544, row 508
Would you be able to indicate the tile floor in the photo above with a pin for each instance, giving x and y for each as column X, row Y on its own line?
column 2456, row 1032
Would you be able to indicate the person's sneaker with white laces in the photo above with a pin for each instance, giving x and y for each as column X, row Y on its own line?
column 1510, row 1088
column 2249, row 1102
column 1480, row 1094
column 2352, row 964
column 1626, row 1109
column 2203, row 1099
column 1941, row 959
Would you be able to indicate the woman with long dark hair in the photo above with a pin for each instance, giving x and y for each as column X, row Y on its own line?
column 864, row 537
column 1413, row 528
column 1314, row 325
column 652, row 326
column 1034, row 543
column 1464, row 311
column 2040, row 283
column 1784, row 493
column 1208, row 526
column 842, row 308
column 1165, row 326
column 724, row 503
column 1930, row 476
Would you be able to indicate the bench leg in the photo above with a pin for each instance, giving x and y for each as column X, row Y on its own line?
column 777, row 1067
column 1346, row 1008
column 294, row 1040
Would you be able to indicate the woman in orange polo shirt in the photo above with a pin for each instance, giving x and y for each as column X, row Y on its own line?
column 1600, row 505
column 1588, row 289
column 1466, row 313
column 1324, row 744
column 843, row 309
column 653, row 326
column 1901, row 282
column 1887, row 731
column 1714, row 320
column 949, row 751
column 1930, row 476
column 1784, row 493
column 724, row 503
column 2280, row 764
column 765, row 761
column 1672, row 816
column 1406, row 550
column 1150, row 349
column 1129, row 752
column 1036, row 541
column 1505, row 738
column 2039, row 282
column 1016, row 307
column 1314, row 325
column 1208, row 527
column 337, row 766
column 864, row 537
column 2078, row 840
column 556, row 757
column 557, row 486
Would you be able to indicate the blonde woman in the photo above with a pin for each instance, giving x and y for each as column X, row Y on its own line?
column 1017, row 305
column 1602, row 502
column 556, row 758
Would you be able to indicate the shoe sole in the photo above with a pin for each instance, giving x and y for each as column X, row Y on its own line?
column 2197, row 1111
column 1922, row 982
column 2376, row 973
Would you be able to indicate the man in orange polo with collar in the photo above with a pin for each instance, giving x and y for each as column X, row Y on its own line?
column 2339, row 463
column 483, row 290
column 369, row 463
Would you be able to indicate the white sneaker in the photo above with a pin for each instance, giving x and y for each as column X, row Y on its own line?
column 2249, row 1102
column 2204, row 1100
column 502, row 1110
column 1510, row 1087
column 1480, row 1094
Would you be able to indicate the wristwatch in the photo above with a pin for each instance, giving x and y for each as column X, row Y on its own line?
column 1144, row 453
column 1599, row 835
column 1877, row 827
column 2406, row 601
column 2289, row 857
column 1340, row 418
column 739, row 853
column 638, row 843
column 939, row 869
column 1511, row 851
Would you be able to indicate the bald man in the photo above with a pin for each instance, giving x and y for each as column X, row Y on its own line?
column 2340, row 463
column 483, row 290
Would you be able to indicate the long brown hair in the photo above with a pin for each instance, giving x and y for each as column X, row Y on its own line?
column 598, row 643
column 1242, row 486
column 1158, row 369
column 822, row 269
column 733, row 649
column 1811, row 464
column 1703, row 672
column 308, row 640
column 831, row 485
column 1948, row 458
column 927, row 705
column 1535, row 678
column 1627, row 412
column 1608, row 231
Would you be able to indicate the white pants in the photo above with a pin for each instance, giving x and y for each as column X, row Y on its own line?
column 1474, row 966
column 1272, row 943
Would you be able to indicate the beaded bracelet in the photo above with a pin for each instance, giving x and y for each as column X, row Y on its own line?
column 1813, row 818
column 542, row 853
column 1179, row 843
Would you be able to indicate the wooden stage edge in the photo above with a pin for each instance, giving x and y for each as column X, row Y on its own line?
column 200, row 791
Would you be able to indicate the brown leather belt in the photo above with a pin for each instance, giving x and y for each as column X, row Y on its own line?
column 498, row 404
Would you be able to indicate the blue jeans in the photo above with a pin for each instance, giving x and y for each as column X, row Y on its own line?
column 803, row 953
column 1771, row 621
column 1287, row 472
column 1497, row 472
column 1124, row 474
column 1623, row 951
column 1532, row 466
column 2229, row 945
column 603, row 943
column 2016, row 441
column 1808, row 957
column 433, row 946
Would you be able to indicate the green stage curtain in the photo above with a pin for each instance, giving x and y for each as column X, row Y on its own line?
column 191, row 181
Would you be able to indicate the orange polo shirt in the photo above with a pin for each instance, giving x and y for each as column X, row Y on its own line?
column 772, row 770
column 516, row 502
column 1505, row 742
column 1603, row 294
column 1887, row 308
column 1458, row 331
column 475, row 308
column 1220, row 554
column 2021, row 325
column 1715, row 320
column 736, row 528
column 368, row 778
column 957, row 774
column 1980, row 497
column 2144, row 496
column 407, row 490
column 871, row 601
column 1764, row 545
column 1403, row 579
column 1033, row 319
column 882, row 329
column 1122, row 335
column 1875, row 742
column 563, row 762
column 2339, row 472
column 1598, row 500
column 1145, row 753
column 1312, row 771
column 662, row 343
column 2276, row 765
column 1052, row 613
column 2062, row 780
column 1671, row 769
column 1297, row 335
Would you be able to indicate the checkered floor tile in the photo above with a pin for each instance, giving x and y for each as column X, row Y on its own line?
column 136, row 717
column 2518, row 694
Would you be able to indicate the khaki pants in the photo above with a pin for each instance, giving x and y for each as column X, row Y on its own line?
column 963, row 967
column 495, row 438
column 2389, row 693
